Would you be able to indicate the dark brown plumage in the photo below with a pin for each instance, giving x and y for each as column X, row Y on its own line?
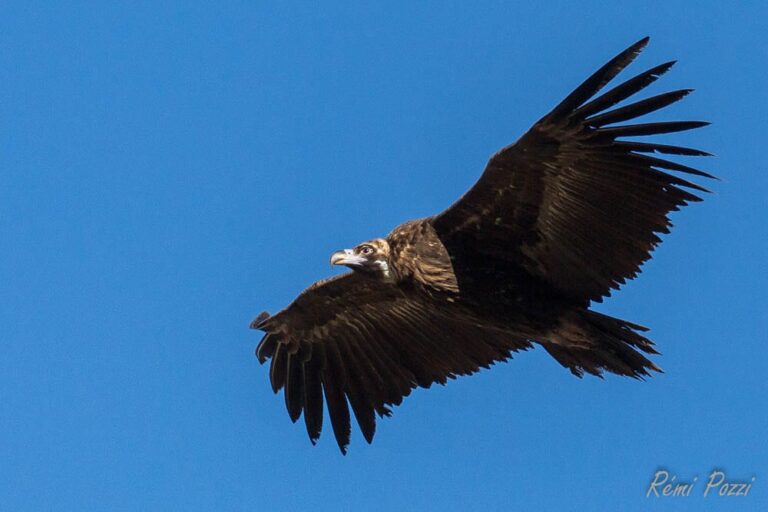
column 557, row 220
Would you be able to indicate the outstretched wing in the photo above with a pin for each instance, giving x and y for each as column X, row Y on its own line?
column 359, row 340
column 569, row 203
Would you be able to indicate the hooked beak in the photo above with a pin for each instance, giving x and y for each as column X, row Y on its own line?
column 347, row 257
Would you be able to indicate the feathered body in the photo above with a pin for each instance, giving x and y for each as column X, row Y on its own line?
column 557, row 220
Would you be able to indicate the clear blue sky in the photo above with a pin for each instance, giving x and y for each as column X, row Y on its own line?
column 170, row 169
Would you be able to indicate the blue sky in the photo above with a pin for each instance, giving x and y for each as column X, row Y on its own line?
column 170, row 169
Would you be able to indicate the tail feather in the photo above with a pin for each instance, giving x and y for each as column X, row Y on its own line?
column 587, row 341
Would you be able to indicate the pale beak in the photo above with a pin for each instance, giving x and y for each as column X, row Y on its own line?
column 347, row 257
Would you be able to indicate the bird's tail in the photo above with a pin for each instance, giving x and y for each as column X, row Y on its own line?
column 587, row 341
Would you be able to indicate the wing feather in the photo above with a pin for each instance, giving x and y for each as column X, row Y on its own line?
column 639, row 108
column 623, row 91
column 598, row 79
column 278, row 368
column 266, row 348
column 644, row 147
column 642, row 129
column 359, row 387
column 334, row 381
column 294, row 387
column 313, row 393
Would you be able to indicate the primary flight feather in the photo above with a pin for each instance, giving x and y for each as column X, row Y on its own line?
column 557, row 220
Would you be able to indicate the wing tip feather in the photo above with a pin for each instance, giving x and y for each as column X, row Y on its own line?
column 637, row 47
column 598, row 80
column 260, row 320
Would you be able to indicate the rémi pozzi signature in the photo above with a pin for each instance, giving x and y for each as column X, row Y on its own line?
column 665, row 484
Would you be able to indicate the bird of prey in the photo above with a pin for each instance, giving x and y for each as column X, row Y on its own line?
column 556, row 221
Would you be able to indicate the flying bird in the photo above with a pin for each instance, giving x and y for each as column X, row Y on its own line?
column 556, row 221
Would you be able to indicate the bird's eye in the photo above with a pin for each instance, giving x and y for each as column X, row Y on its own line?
column 366, row 250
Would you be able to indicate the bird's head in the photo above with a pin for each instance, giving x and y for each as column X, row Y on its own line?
column 371, row 257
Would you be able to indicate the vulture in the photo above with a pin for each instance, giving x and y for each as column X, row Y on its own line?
column 556, row 221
